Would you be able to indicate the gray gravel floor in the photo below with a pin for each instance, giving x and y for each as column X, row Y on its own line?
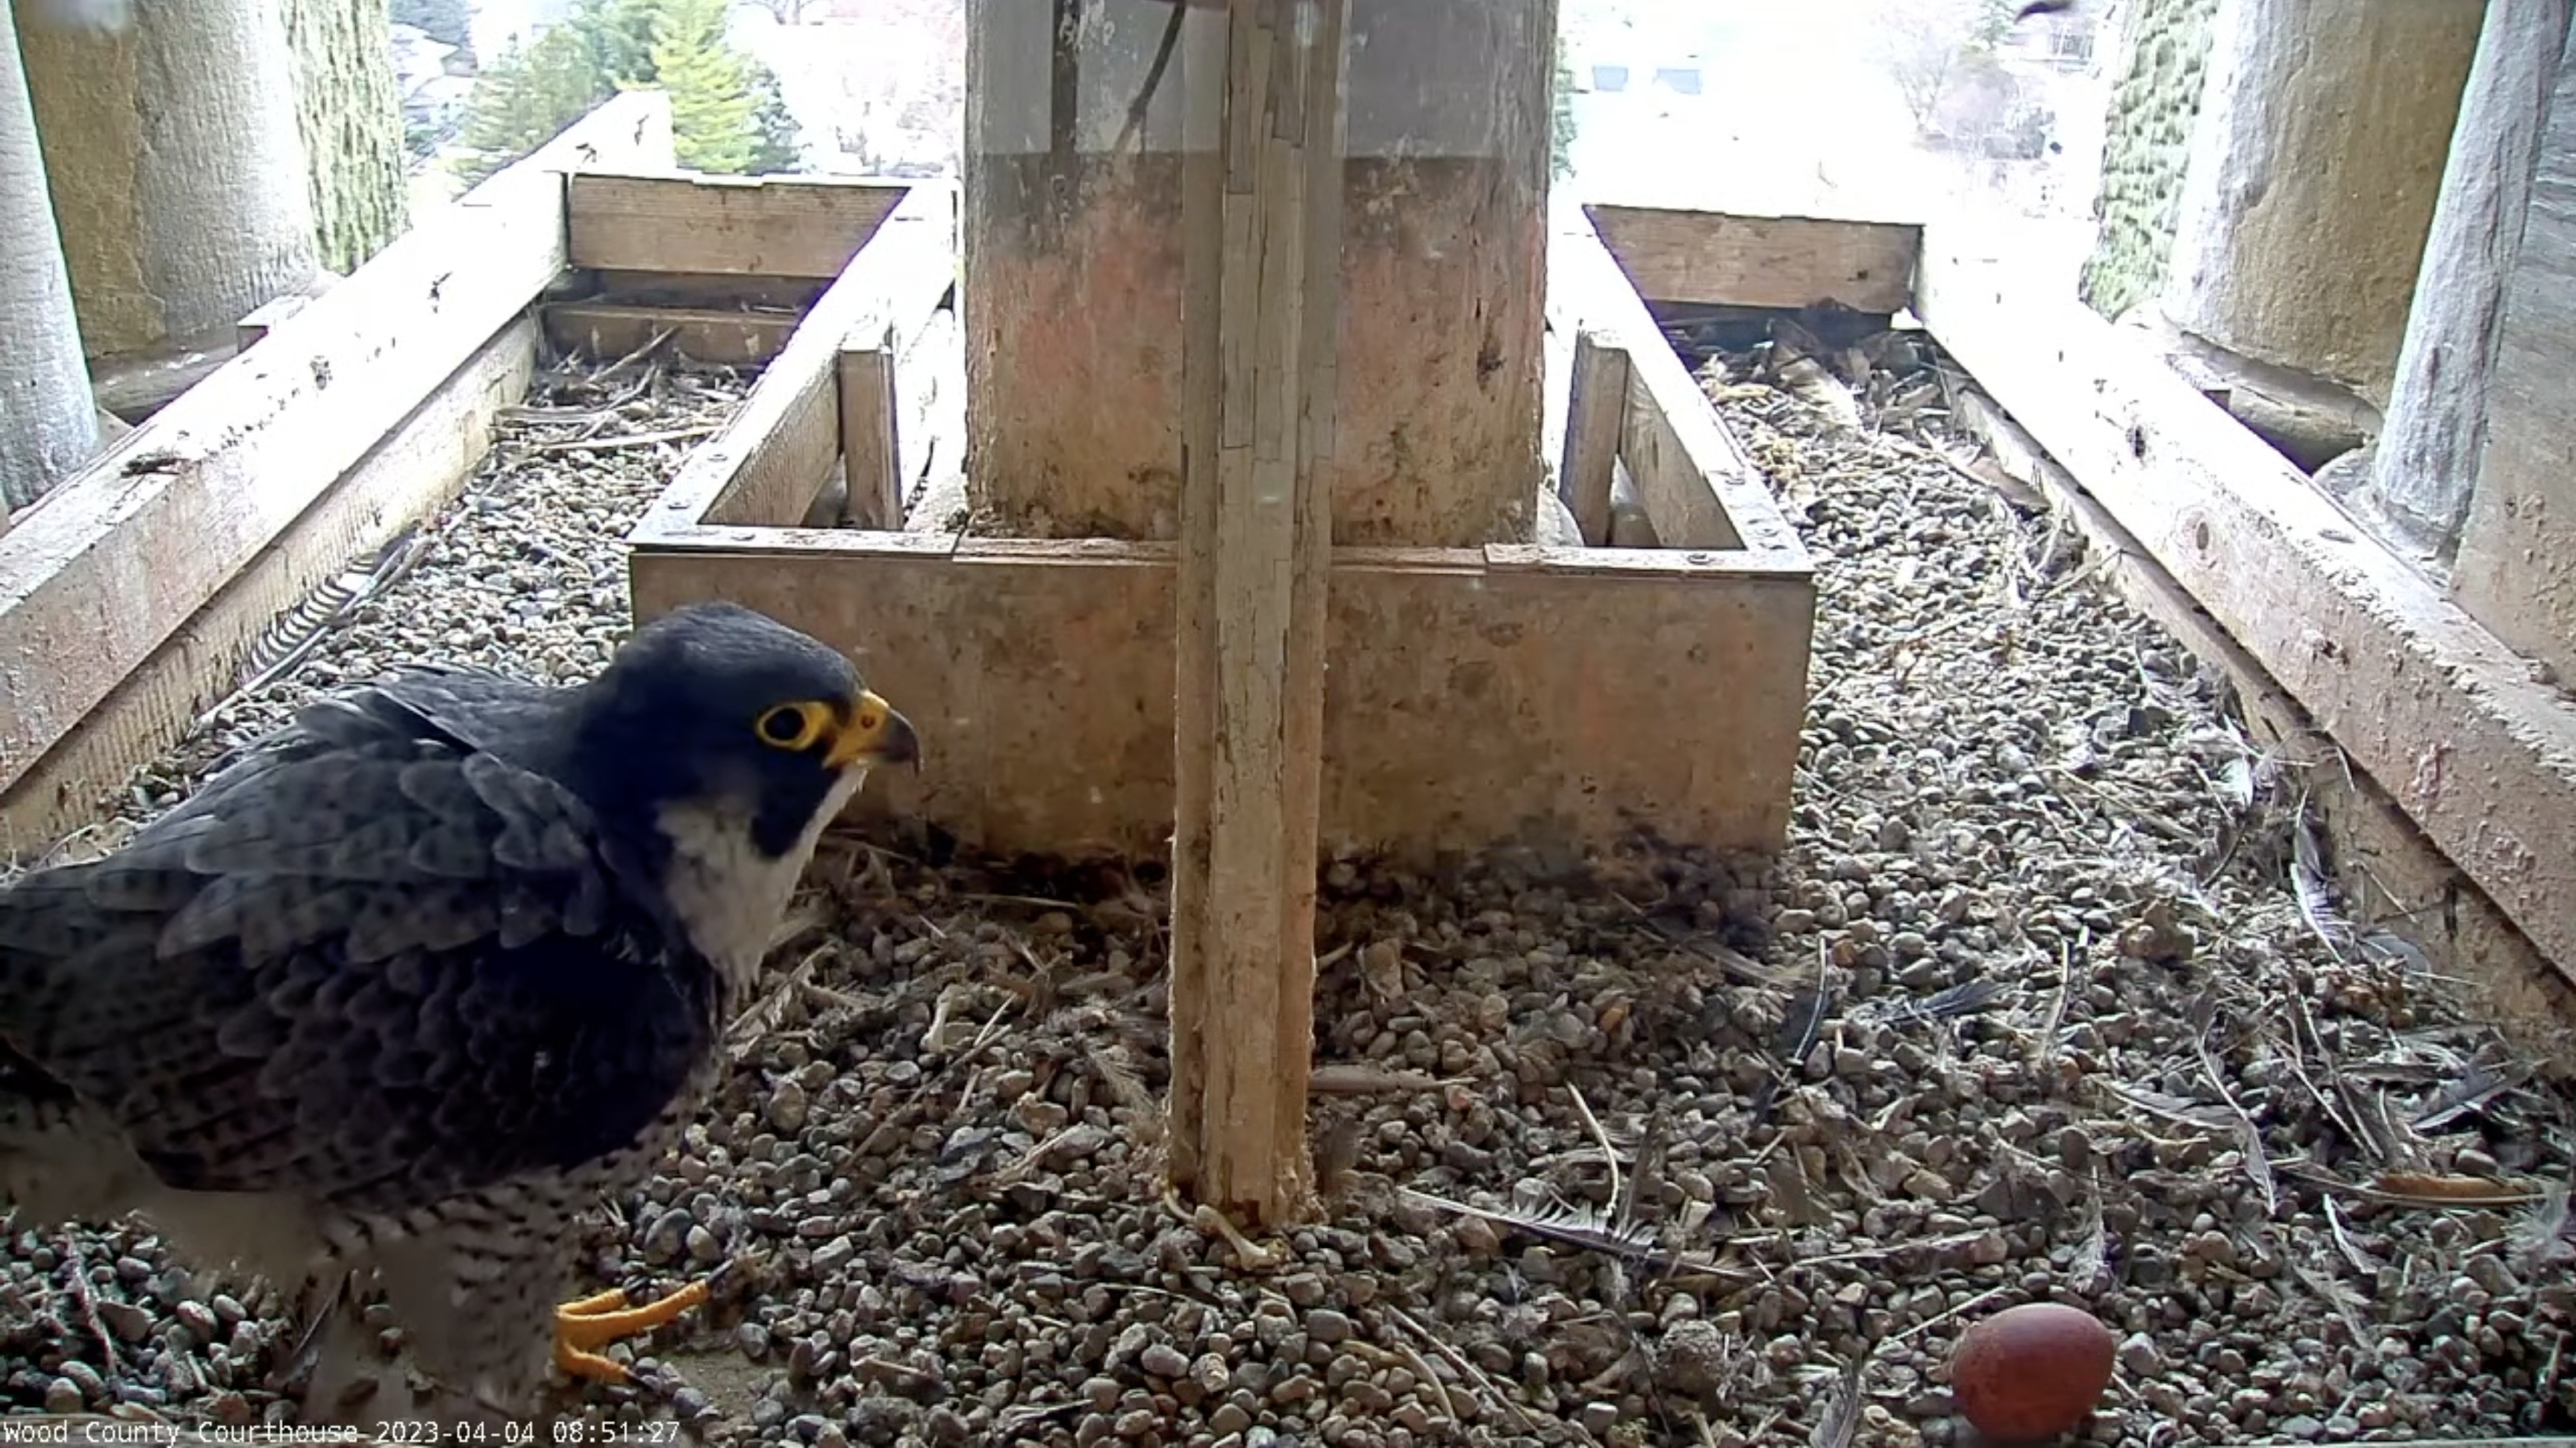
column 1654, row 1150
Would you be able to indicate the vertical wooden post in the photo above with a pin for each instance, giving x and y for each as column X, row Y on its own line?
column 871, row 450
column 1261, row 226
column 1596, row 412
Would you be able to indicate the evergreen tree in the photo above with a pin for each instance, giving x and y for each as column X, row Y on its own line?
column 618, row 36
column 779, row 145
column 727, row 112
column 712, row 103
column 525, row 98
column 687, row 25
column 711, row 107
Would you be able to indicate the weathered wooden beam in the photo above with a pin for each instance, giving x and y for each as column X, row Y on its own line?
column 775, row 452
column 705, row 334
column 773, row 226
column 1646, row 687
column 1262, row 228
column 725, row 225
column 882, row 410
column 112, row 563
column 930, row 408
column 1596, row 413
column 871, row 449
column 1786, row 262
column 256, row 322
column 419, row 467
column 711, row 291
column 2431, row 704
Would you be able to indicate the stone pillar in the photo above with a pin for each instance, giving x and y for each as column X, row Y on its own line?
column 179, row 180
column 2319, row 149
column 2146, row 138
column 2517, row 556
column 1072, row 270
column 48, row 425
column 349, row 117
column 2426, row 462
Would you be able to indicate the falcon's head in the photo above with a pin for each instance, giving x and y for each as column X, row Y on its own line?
column 716, row 747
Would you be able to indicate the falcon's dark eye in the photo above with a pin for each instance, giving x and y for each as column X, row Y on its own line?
column 795, row 726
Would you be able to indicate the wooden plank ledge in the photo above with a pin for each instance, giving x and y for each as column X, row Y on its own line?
column 1477, row 695
column 112, row 563
column 770, row 226
column 704, row 334
column 1780, row 262
column 2438, row 711
column 778, row 449
column 420, row 466
column 701, row 290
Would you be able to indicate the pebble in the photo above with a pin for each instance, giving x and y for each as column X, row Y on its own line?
column 1327, row 1326
column 130, row 1323
column 85, row 1381
column 787, row 1107
column 669, row 1231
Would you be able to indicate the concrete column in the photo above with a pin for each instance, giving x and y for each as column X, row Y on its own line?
column 348, row 108
column 48, row 425
column 2517, row 556
column 179, row 178
column 2146, row 141
column 2426, row 463
column 2318, row 152
column 1071, row 298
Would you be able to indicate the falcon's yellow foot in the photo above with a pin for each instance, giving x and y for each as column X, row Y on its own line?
column 597, row 1321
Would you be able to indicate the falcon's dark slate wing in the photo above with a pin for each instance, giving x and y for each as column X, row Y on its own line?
column 362, row 964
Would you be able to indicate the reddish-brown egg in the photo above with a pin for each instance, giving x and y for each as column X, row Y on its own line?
column 2031, row 1372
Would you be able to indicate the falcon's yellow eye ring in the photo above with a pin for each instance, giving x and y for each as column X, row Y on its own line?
column 795, row 726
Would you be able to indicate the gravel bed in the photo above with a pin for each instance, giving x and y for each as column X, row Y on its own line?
column 2044, row 1002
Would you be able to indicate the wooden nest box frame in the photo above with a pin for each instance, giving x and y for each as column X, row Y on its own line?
column 1481, row 686
column 964, row 463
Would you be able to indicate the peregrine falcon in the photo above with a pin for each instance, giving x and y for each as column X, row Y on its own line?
column 423, row 975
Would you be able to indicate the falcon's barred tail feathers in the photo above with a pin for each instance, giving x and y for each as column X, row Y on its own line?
column 415, row 981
